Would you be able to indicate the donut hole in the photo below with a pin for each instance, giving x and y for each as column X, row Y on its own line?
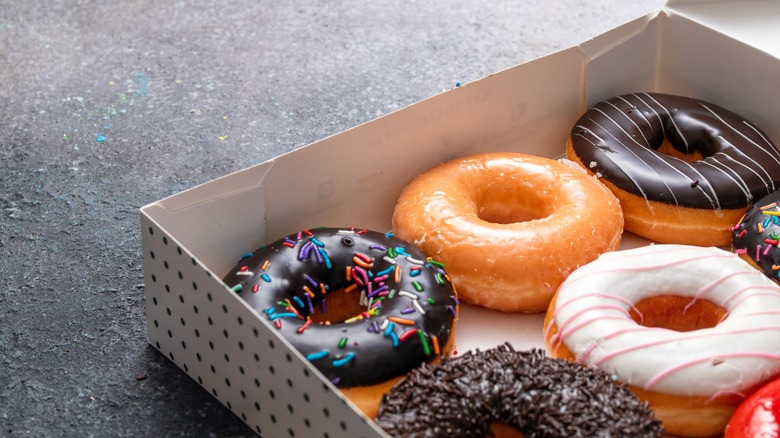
column 509, row 204
column 678, row 313
column 667, row 148
column 501, row 430
column 339, row 306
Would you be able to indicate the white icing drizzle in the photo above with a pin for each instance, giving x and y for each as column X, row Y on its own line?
column 743, row 350
column 617, row 164
column 671, row 119
column 738, row 181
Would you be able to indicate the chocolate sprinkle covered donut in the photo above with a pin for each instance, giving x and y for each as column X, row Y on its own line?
column 537, row 395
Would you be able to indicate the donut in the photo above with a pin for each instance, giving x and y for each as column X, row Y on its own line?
column 691, row 330
column 758, row 416
column 510, row 227
column 756, row 237
column 363, row 307
column 500, row 392
column 685, row 170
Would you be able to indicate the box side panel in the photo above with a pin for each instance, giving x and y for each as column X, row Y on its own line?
column 754, row 22
column 679, row 56
column 197, row 323
column 354, row 178
column 219, row 220
column 625, row 68
column 701, row 62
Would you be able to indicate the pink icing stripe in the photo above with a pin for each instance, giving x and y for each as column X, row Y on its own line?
column 672, row 370
column 569, row 281
column 563, row 334
column 608, row 296
column 696, row 335
column 563, row 326
column 767, row 312
column 588, row 351
column 727, row 392
column 712, row 285
column 549, row 327
column 770, row 291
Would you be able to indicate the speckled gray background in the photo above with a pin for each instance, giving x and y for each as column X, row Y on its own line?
column 108, row 106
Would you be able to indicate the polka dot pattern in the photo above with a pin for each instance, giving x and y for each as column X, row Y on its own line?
column 196, row 322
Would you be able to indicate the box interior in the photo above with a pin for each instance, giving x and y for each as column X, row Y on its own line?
column 353, row 178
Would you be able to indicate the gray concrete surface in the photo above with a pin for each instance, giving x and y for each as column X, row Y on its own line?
column 107, row 106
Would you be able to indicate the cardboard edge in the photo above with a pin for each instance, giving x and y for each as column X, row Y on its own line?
column 248, row 366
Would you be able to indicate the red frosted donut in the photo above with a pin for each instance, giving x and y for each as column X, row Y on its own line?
column 509, row 227
column 758, row 416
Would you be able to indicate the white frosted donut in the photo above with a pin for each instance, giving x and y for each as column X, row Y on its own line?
column 590, row 321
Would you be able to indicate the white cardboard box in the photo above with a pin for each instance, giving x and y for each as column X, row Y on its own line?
column 725, row 52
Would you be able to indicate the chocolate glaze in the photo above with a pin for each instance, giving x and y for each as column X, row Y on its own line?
column 757, row 235
column 539, row 396
column 618, row 139
column 371, row 349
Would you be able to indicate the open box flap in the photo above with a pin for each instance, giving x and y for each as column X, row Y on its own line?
column 751, row 21
column 337, row 181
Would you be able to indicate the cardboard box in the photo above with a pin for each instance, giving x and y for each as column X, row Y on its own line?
column 725, row 52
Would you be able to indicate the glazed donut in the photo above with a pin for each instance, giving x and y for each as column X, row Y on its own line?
column 509, row 227
column 691, row 330
column 685, row 170
column 364, row 307
column 510, row 391
column 756, row 237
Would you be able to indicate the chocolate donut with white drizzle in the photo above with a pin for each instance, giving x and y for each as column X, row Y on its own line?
column 685, row 170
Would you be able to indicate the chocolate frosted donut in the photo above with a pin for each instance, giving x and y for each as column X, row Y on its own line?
column 364, row 307
column 536, row 395
column 684, row 169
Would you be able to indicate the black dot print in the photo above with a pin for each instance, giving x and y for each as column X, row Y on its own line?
column 228, row 353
